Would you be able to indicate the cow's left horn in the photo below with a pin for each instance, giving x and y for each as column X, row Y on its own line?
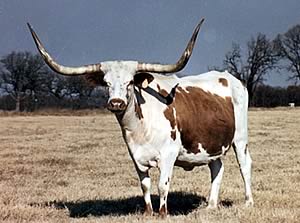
column 69, row 71
column 171, row 68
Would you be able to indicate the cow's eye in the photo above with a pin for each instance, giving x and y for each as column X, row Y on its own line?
column 130, row 82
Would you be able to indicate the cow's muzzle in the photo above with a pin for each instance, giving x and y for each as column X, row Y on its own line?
column 116, row 105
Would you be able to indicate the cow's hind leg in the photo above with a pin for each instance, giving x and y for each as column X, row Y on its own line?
column 216, row 171
column 240, row 141
column 245, row 162
column 146, row 188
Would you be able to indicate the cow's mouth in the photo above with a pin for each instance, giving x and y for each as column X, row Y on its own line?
column 116, row 110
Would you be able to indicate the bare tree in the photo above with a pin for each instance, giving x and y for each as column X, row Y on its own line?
column 31, row 84
column 233, row 62
column 78, row 90
column 22, row 75
column 55, row 85
column 78, row 86
column 288, row 46
column 259, row 59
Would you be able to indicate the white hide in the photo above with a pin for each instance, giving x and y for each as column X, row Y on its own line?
column 148, row 139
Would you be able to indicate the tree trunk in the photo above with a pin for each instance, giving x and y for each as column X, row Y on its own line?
column 250, row 93
column 18, row 103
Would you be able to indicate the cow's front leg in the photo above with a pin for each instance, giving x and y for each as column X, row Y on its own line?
column 166, row 169
column 216, row 171
column 146, row 188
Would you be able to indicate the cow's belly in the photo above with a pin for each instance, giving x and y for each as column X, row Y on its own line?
column 189, row 160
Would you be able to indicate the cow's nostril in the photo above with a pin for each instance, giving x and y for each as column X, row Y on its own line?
column 116, row 104
column 122, row 105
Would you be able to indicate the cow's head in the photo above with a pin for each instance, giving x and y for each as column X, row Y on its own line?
column 119, row 76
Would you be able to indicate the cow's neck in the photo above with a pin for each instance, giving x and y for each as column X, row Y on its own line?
column 130, row 119
column 143, row 109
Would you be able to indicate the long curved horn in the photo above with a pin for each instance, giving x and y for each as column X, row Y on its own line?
column 69, row 71
column 171, row 68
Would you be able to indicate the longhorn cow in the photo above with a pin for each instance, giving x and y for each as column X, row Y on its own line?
column 169, row 121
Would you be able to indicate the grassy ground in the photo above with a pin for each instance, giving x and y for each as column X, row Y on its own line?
column 62, row 168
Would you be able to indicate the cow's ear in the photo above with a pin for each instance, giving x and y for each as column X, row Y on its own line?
column 96, row 79
column 142, row 80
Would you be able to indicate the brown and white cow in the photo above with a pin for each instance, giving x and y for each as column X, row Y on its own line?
column 167, row 120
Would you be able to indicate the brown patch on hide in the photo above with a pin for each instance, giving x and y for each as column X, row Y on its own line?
column 202, row 117
column 138, row 110
column 162, row 92
column 173, row 134
column 158, row 87
column 169, row 114
column 223, row 81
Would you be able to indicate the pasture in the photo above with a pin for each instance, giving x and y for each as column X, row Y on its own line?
column 64, row 167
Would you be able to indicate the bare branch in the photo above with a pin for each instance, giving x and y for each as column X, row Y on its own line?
column 288, row 46
column 260, row 58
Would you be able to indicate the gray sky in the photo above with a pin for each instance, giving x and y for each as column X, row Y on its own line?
column 78, row 32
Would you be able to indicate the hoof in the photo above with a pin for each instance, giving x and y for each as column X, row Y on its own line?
column 211, row 205
column 163, row 213
column 249, row 201
column 148, row 210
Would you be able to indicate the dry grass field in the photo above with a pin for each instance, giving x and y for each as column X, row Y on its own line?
column 76, row 168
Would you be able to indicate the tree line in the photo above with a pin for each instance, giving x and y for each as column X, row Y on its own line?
column 27, row 84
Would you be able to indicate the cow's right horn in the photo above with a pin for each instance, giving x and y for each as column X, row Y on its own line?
column 69, row 71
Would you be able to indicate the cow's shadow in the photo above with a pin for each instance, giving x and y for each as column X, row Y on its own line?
column 179, row 203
